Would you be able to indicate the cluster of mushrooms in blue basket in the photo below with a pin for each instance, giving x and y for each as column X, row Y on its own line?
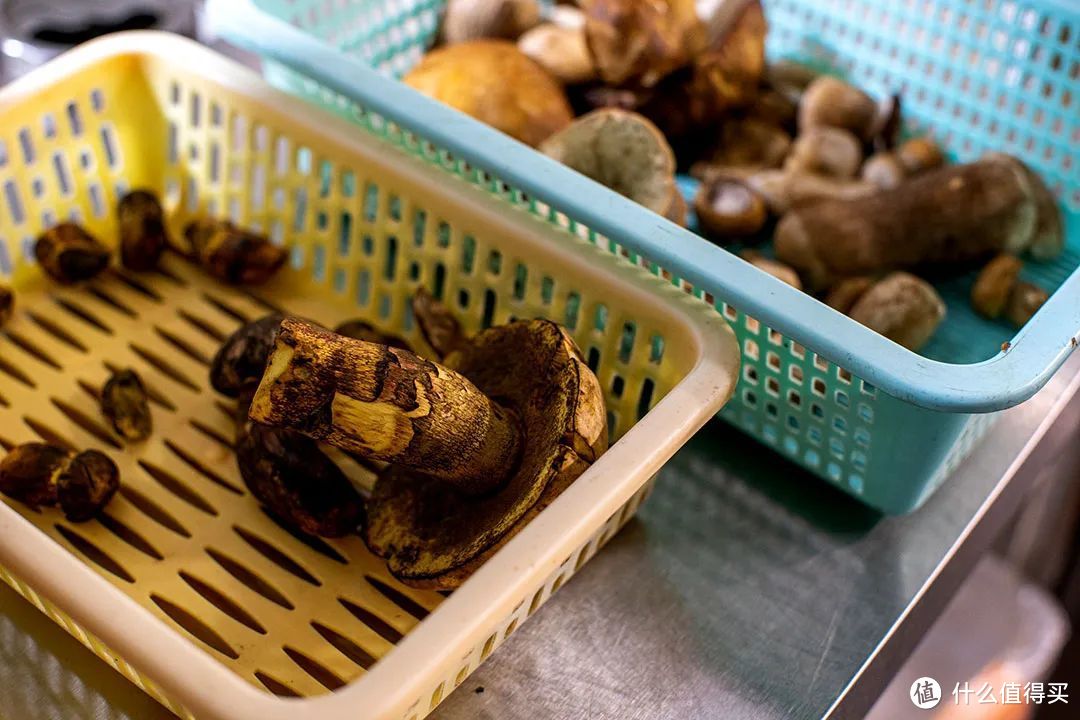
column 467, row 442
column 630, row 92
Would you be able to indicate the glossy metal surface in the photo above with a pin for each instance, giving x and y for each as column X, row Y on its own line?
column 746, row 589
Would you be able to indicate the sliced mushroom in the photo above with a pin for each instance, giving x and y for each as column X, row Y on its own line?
column 496, row 83
column 621, row 150
column 465, row 471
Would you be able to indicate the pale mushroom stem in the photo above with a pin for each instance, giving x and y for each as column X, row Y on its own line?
column 386, row 404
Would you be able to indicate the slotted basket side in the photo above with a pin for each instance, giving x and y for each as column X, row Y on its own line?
column 811, row 377
column 208, row 579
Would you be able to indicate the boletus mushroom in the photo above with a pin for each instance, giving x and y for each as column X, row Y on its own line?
column 496, row 83
column 232, row 254
column 286, row 471
column 477, row 444
column 38, row 474
column 621, row 150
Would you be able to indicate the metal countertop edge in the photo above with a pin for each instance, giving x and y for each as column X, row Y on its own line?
column 1000, row 506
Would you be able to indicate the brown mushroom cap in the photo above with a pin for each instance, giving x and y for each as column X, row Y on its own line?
column 902, row 307
column 433, row 536
column 496, row 83
column 622, row 150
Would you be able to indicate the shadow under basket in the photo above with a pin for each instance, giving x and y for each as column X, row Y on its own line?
column 184, row 584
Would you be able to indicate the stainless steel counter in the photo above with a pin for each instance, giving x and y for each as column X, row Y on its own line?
column 746, row 589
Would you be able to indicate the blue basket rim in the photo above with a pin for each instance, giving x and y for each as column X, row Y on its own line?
column 1012, row 376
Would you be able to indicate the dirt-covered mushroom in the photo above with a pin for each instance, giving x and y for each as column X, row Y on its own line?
column 954, row 215
column 496, row 83
column 621, row 150
column 561, row 51
column 728, row 210
column 477, row 444
column 126, row 405
column 69, row 254
column 288, row 473
column 477, row 19
column 39, row 474
column 232, row 254
column 143, row 236
column 904, row 308
column 7, row 304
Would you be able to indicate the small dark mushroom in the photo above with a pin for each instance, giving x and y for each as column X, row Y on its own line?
column 29, row 473
column 241, row 359
column 290, row 475
column 87, row 485
column 234, row 255
column 728, row 210
column 69, row 254
column 7, row 304
column 126, row 405
column 143, row 237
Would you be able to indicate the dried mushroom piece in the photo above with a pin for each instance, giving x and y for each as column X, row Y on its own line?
column 7, row 304
column 69, row 254
column 45, row 475
column 639, row 42
column 288, row 473
column 241, row 359
column 125, row 404
column 87, row 485
column 496, row 83
column 621, row 150
column 143, row 237
column 465, row 472
column 28, row 473
column 234, row 255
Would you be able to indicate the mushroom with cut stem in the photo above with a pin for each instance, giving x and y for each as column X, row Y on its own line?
column 494, row 82
column 477, row 445
column 621, row 150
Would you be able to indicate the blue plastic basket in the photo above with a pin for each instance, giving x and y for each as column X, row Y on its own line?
column 875, row 419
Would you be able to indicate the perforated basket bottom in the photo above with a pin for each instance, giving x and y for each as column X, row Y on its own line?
column 295, row 615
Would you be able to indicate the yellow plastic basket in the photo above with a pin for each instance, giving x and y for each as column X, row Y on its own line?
column 185, row 586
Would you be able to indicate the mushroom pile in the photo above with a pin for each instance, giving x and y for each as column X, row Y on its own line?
column 469, row 446
column 631, row 92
